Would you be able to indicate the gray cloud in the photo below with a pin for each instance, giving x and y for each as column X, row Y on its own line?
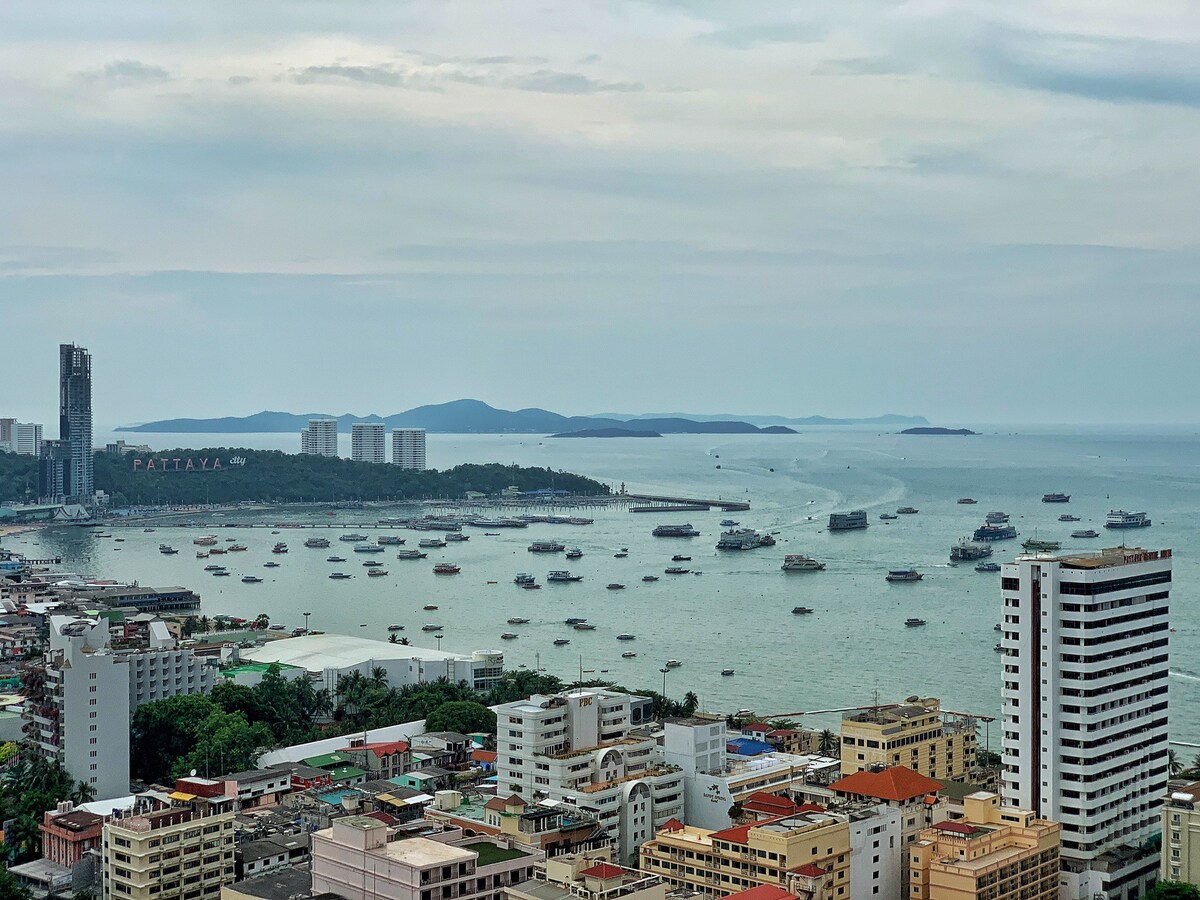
column 379, row 75
column 127, row 72
column 240, row 79
column 547, row 81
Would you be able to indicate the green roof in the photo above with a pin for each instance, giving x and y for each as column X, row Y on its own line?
column 346, row 773
column 490, row 854
column 956, row 790
column 252, row 668
column 327, row 761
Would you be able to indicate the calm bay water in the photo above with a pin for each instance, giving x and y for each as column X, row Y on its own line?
column 738, row 613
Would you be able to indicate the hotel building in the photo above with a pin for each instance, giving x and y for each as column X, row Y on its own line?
column 320, row 438
column 1085, row 653
column 916, row 734
column 408, row 448
column 27, row 438
column 367, row 443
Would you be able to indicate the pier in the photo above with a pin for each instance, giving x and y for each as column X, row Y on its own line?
column 684, row 504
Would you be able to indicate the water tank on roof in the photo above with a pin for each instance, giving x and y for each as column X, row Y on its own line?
column 447, row 800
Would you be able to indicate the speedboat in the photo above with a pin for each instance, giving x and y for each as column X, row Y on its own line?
column 903, row 575
column 626, row 637
column 673, row 664
column 727, row 671
column 429, row 606
column 628, row 654
column 801, row 610
column 431, row 627
column 913, row 623
column 620, row 554
column 988, row 567
column 251, row 579
column 584, row 626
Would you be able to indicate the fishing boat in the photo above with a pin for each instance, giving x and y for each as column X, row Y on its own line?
column 446, row 569
column 801, row 611
column 900, row 576
column 727, row 672
column 410, row 554
column 531, row 586
column 339, row 576
column 678, row 558
column 913, row 623
column 675, row 570
column 1035, row 545
column 251, row 579
column 1086, row 533
column 626, row 637
column 431, row 627
column 988, row 567
column 798, row 562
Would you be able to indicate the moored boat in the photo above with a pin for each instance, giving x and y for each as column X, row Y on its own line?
column 903, row 575
column 988, row 567
column 649, row 578
column 1067, row 517
column 431, row 627
column 727, row 672
column 1119, row 518
column 675, row 570
column 410, row 554
column 684, row 530
column 625, row 636
column 615, row 586
column 251, row 579
column 546, row 547
column 967, row 501
column 446, row 569
column 1085, row 533
column 907, row 511
column 318, row 543
column 518, row 620
column 801, row 610
column 965, row 550
column 913, row 622
column 339, row 576
column 1056, row 498
column 562, row 575
column 1034, row 544
column 994, row 533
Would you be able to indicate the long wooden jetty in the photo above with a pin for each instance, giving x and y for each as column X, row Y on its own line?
column 688, row 503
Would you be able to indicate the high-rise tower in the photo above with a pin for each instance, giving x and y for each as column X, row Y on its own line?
column 75, row 419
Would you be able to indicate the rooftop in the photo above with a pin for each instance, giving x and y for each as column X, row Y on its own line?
column 317, row 652
column 1106, row 558
column 762, row 892
column 282, row 884
column 490, row 854
column 603, row 870
column 898, row 783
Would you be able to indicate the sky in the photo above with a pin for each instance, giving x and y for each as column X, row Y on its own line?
column 980, row 212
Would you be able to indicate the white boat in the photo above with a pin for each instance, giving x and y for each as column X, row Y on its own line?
column 1118, row 518
column 673, row 664
column 798, row 562
column 1085, row 533
column 430, row 543
column 903, row 575
column 395, row 628
column 913, row 623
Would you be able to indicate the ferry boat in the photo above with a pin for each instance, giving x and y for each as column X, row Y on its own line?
column 431, row 627
column 801, row 611
column 523, row 578
column 518, row 620
column 988, row 567
column 574, row 553
column 965, row 549
column 166, row 550
column 368, row 548
column 626, row 637
column 446, row 569
column 903, row 575
column 727, row 671
column 967, row 501
column 457, row 537
column 508, row 636
column 1118, row 518
column 251, row 579
column 563, row 575
column 907, row 511
column 1056, row 498
column 352, row 538
column 1067, row 517
column 996, row 518
column 673, row 664
column 675, row 570
column 798, row 562
column 994, row 533
column 913, row 623
column 389, row 540
column 207, row 541
column 744, row 539
column 1086, row 533
column 685, row 530
column 887, row 517
column 281, row 547
column 561, row 642
column 679, row 558
column 317, row 543
column 615, row 586
column 431, row 543
column 1034, row 544
column 848, row 521
column 628, row 654
column 649, row 578
column 546, row 547
column 339, row 576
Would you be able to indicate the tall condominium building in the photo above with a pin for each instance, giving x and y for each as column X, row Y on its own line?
column 916, row 734
column 408, row 448
column 367, row 442
column 7, row 438
column 1084, row 688
column 55, row 471
column 581, row 749
column 320, row 437
column 75, row 419
column 27, row 438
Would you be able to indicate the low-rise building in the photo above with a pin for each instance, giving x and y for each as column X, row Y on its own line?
column 379, row 759
column 361, row 858
column 1181, row 835
column 807, row 854
column 995, row 852
column 587, row 876
column 549, row 826
column 915, row 733
column 280, row 884
column 450, row 749
column 69, row 833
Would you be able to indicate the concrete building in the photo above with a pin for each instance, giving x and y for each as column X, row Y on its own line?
column 327, row 656
column 7, row 438
column 590, row 875
column 807, row 854
column 320, row 437
column 379, row 759
column 55, row 470
column 1084, row 690
column 550, row 827
column 916, row 734
column 408, row 448
column 1181, row 835
column 75, row 419
column 367, row 442
column 27, row 438
column 995, row 852
column 580, row 748
column 69, row 833
column 172, row 853
column 361, row 858
column 164, row 669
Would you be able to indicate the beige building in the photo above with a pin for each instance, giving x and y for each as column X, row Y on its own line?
column 179, row 853
column 808, row 854
column 587, row 876
column 995, row 852
column 1181, row 835
column 361, row 858
column 915, row 733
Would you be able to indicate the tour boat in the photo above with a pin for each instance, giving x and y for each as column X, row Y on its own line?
column 1086, row 533
column 446, row 569
column 903, row 575
column 1056, row 498
column 251, row 579
column 798, row 562
column 801, row 611
column 913, row 623
column 339, row 576
column 1118, row 518
column 431, row 627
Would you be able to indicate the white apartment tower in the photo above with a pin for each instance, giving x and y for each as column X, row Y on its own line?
column 1085, row 641
column 367, row 442
column 408, row 448
column 27, row 438
column 320, row 437
column 580, row 748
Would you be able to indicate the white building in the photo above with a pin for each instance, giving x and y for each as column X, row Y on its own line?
column 877, row 854
column 27, row 438
column 165, row 670
column 408, row 448
column 320, row 437
column 367, row 442
column 327, row 656
column 580, row 748
column 1085, row 708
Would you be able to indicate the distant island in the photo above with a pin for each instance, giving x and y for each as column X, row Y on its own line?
column 606, row 433
column 932, row 430
column 455, row 417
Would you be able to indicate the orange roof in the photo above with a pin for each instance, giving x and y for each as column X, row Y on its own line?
column 762, row 892
column 603, row 870
column 380, row 748
column 897, row 783
column 495, row 804
column 672, row 825
column 484, row 756
column 776, row 805
column 740, row 834
column 809, row 870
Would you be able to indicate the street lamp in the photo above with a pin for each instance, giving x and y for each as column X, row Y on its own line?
column 664, row 671
column 306, row 615
column 439, row 640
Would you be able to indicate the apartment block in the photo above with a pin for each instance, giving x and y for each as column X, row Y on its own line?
column 1181, row 835
column 320, row 437
column 68, row 833
column 916, row 734
column 581, row 749
column 27, row 438
column 807, row 854
column 408, row 448
column 367, row 442
column 587, row 876
column 993, row 853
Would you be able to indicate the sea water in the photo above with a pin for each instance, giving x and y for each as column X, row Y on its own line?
column 737, row 614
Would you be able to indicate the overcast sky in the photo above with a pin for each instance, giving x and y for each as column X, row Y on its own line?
column 976, row 212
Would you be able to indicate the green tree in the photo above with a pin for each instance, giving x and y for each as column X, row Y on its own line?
column 827, row 744
column 986, row 759
column 690, row 702
column 1174, row 763
column 1173, row 890
column 10, row 888
column 736, row 811
column 465, row 717
column 164, row 731
column 225, row 742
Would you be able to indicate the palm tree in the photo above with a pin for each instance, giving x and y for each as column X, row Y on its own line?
column 690, row 702
column 83, row 792
column 379, row 675
column 404, row 642
column 393, row 638
column 827, row 745
column 1174, row 763
column 1196, row 762
column 205, row 624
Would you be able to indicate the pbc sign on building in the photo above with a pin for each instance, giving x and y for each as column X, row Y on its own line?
column 189, row 464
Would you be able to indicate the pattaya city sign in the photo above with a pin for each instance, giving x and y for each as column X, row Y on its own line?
column 189, row 464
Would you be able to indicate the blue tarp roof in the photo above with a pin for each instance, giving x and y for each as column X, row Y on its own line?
column 747, row 747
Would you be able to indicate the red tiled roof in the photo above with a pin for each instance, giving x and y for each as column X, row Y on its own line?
column 383, row 817
column 956, row 827
column 810, row 870
column 380, row 748
column 783, row 732
column 762, row 892
column 495, row 803
column 897, row 783
column 757, row 727
column 774, row 804
column 672, row 825
column 484, row 756
column 739, row 834
column 603, row 870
